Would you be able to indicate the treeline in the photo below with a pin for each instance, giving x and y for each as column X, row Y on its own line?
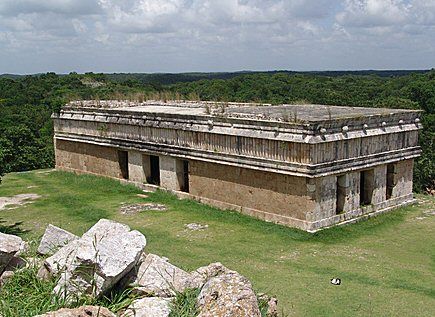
column 27, row 102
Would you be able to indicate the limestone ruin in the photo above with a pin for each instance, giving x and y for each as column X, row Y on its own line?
column 306, row 166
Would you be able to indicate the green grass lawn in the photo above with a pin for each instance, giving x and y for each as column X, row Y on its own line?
column 386, row 264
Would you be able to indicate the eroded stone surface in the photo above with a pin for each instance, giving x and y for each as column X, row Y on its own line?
column 103, row 255
column 84, row 311
column 149, row 307
column 59, row 261
column 156, row 276
column 54, row 238
column 228, row 295
column 201, row 275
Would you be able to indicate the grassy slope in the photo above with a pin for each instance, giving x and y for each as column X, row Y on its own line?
column 387, row 264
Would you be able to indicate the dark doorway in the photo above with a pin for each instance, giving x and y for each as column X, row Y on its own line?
column 391, row 169
column 154, row 177
column 185, row 181
column 123, row 163
column 366, row 187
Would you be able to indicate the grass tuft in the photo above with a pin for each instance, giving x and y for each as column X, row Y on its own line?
column 184, row 303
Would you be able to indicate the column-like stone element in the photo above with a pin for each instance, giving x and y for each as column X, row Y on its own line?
column 403, row 179
column 135, row 167
column 349, row 185
column 146, row 163
column 379, row 184
column 323, row 191
column 171, row 173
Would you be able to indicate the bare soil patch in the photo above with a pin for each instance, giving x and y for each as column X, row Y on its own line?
column 17, row 200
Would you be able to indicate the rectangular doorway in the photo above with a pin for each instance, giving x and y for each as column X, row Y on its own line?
column 123, row 163
column 184, row 186
column 154, row 176
column 366, row 187
column 391, row 169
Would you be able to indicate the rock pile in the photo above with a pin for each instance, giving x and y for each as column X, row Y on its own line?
column 10, row 249
column 111, row 256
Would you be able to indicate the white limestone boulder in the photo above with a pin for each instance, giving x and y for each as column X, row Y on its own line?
column 156, row 276
column 228, row 294
column 84, row 311
column 10, row 246
column 59, row 261
column 201, row 275
column 102, row 256
column 53, row 239
column 149, row 307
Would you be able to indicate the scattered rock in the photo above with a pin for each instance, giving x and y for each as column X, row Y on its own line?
column 272, row 307
column 272, row 304
column 6, row 275
column 429, row 212
column 104, row 254
column 149, row 307
column 137, row 208
column 10, row 245
column 19, row 200
column 195, row 226
column 228, row 294
column 156, row 276
column 59, row 261
column 200, row 276
column 54, row 238
column 142, row 196
column 84, row 311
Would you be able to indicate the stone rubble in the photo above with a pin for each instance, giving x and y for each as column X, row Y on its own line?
column 156, row 276
column 10, row 246
column 103, row 255
column 53, row 239
column 226, row 295
column 195, row 226
column 149, row 307
column 110, row 256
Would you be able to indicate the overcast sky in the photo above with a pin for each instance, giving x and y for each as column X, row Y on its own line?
column 215, row 35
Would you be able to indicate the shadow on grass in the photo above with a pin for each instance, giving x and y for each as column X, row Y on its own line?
column 328, row 236
column 13, row 228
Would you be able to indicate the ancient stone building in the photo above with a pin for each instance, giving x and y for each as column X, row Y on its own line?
column 307, row 166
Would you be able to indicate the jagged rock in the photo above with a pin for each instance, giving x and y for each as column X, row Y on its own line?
column 149, row 307
column 103, row 255
column 10, row 245
column 272, row 307
column 54, row 238
column 84, row 311
column 226, row 295
column 200, row 276
column 156, row 276
column 59, row 261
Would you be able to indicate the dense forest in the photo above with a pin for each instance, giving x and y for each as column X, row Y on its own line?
column 26, row 102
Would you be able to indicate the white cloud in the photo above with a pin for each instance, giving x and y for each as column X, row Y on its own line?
column 174, row 35
column 14, row 7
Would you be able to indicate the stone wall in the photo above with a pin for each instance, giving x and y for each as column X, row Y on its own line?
column 270, row 192
column 90, row 158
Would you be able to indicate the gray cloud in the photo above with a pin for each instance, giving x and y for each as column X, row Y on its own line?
column 214, row 35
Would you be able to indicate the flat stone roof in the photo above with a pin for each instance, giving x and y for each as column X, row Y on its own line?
column 267, row 112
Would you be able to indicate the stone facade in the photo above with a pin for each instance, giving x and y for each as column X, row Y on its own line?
column 305, row 166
